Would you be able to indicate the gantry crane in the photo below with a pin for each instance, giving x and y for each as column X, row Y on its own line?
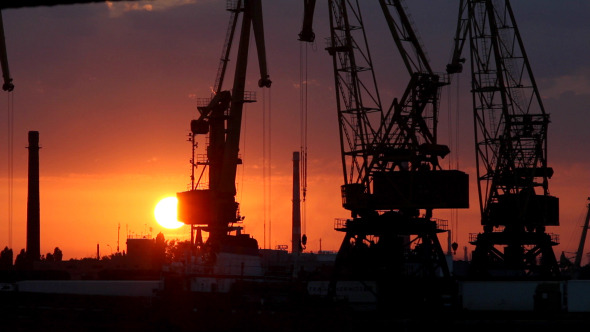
column 511, row 146
column 214, row 209
column 390, row 162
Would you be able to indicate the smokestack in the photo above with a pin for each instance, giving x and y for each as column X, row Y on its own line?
column 296, row 232
column 33, row 214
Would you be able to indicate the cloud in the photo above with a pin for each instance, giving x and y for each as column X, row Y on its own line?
column 120, row 8
column 578, row 83
column 309, row 83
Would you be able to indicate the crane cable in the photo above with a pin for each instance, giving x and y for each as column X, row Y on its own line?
column 303, row 130
column 244, row 132
column 454, row 142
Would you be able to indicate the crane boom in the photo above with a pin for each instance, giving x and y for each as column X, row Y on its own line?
column 414, row 58
column 7, row 86
column 456, row 64
column 229, row 37
column 307, row 34
column 252, row 20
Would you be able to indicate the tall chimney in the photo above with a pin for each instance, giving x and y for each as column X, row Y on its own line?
column 296, row 231
column 33, row 214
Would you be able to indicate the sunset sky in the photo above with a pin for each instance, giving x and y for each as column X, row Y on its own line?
column 112, row 88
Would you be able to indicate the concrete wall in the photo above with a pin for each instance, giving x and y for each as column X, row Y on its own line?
column 578, row 295
column 513, row 295
column 352, row 291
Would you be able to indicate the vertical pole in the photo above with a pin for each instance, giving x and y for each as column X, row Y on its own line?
column 192, row 235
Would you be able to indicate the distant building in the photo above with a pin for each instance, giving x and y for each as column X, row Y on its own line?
column 146, row 253
column 140, row 252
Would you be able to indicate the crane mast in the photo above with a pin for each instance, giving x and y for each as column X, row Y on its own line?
column 390, row 161
column 214, row 209
column 510, row 143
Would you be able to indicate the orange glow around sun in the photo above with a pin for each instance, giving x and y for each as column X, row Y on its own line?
column 165, row 213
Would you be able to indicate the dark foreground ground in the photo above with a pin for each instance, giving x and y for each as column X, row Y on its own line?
column 43, row 312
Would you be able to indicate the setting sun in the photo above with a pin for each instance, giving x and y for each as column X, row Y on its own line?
column 165, row 213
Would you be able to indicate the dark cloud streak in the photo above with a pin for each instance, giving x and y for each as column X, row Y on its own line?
column 7, row 4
